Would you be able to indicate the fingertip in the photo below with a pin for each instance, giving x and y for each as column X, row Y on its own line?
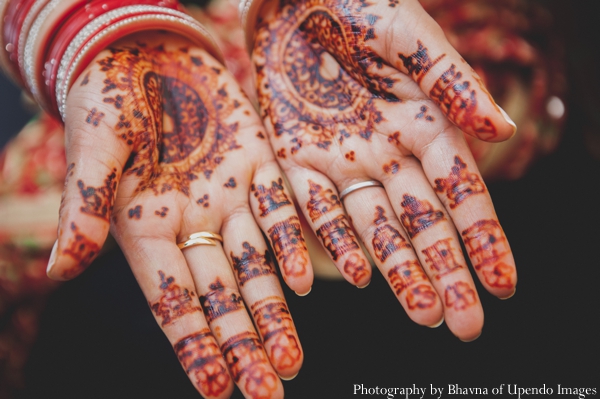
column 301, row 285
column 365, row 285
column 509, row 121
column 471, row 339
column 289, row 378
column 52, row 259
column 510, row 295
column 431, row 317
column 305, row 293
column 437, row 324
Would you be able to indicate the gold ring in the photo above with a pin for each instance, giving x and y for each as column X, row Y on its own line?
column 200, row 238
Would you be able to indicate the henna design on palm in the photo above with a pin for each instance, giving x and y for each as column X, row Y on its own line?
column 175, row 131
column 307, row 96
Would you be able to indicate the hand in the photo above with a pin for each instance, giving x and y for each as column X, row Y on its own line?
column 162, row 143
column 355, row 90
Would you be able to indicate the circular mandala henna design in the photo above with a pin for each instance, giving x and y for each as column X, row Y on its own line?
column 316, row 74
column 172, row 112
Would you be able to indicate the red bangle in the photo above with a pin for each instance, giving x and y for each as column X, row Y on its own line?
column 67, row 29
column 113, row 25
column 15, row 14
column 42, row 30
column 248, row 15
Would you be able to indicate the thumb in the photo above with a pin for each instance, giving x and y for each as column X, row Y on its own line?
column 419, row 48
column 95, row 160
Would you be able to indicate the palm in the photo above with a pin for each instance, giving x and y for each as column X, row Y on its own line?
column 349, row 92
column 162, row 144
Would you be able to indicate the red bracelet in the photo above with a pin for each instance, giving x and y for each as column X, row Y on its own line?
column 111, row 26
column 15, row 15
column 43, row 28
column 46, row 63
column 248, row 15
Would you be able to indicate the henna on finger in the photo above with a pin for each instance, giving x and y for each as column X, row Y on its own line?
column 289, row 246
column 356, row 267
column 458, row 101
column 418, row 215
column 81, row 249
column 321, row 201
column 246, row 359
column 99, row 200
column 338, row 237
column 277, row 330
column 418, row 64
column 200, row 356
column 487, row 246
column 441, row 259
column 270, row 198
column 460, row 296
column 220, row 300
column 409, row 276
column 460, row 184
column 251, row 264
column 386, row 239
column 174, row 302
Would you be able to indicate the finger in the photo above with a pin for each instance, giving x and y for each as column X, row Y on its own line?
column 167, row 284
column 259, row 285
column 410, row 40
column 95, row 158
column 453, row 172
column 319, row 201
column 224, row 310
column 435, row 242
column 390, row 249
column 272, row 206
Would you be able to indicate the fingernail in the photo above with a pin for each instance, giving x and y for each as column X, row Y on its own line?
column 439, row 323
column 472, row 339
column 289, row 378
column 363, row 286
column 52, row 259
column 508, row 120
column 509, row 296
column 305, row 294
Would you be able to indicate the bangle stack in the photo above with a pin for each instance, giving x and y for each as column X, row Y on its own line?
column 248, row 15
column 46, row 44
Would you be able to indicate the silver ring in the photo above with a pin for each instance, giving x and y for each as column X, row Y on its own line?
column 358, row 186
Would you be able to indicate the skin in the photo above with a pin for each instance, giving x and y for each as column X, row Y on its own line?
column 353, row 90
column 162, row 143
